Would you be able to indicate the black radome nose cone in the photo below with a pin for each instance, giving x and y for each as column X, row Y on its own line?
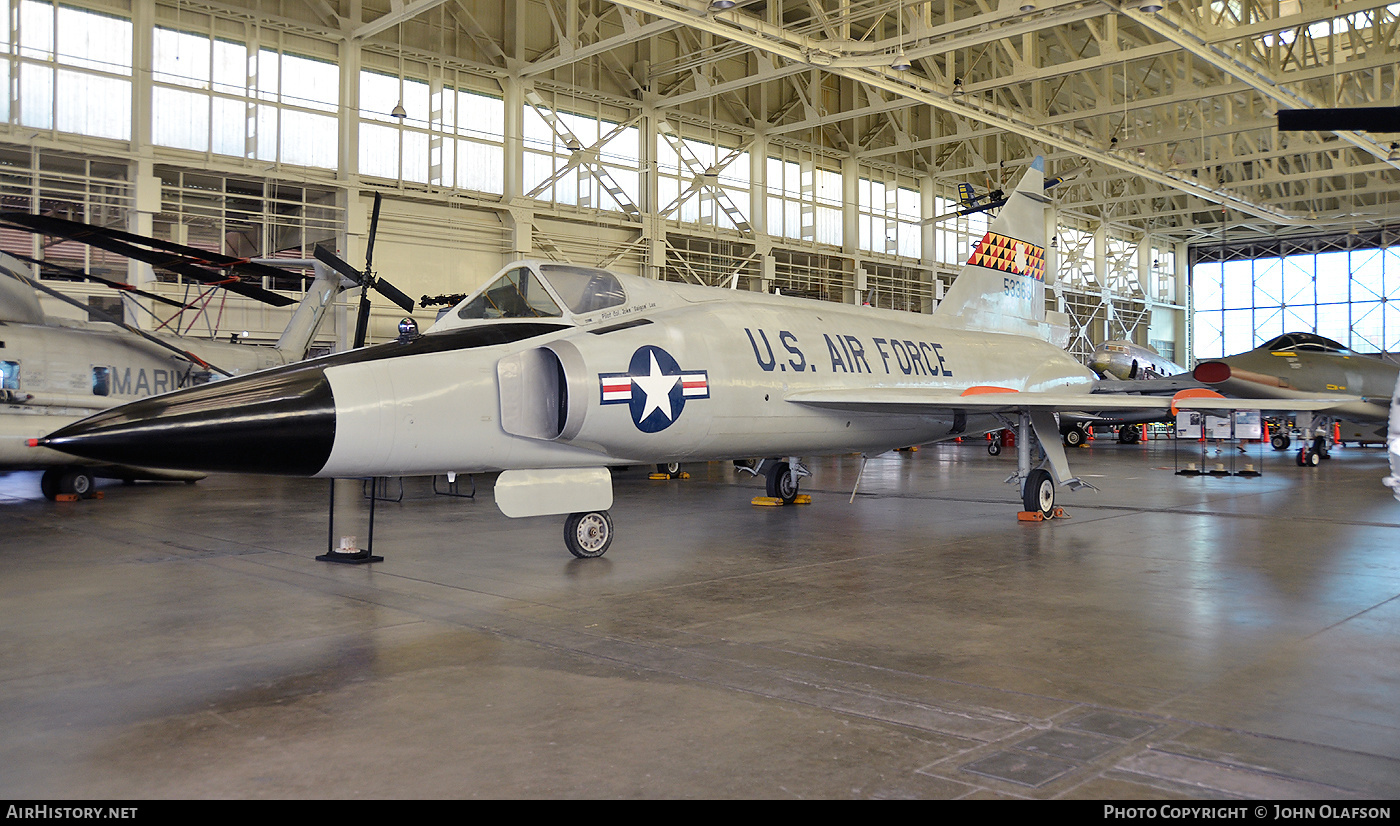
column 280, row 422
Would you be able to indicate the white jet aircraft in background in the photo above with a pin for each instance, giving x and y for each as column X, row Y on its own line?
column 553, row 373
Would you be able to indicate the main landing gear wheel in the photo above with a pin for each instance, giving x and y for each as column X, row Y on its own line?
column 994, row 447
column 672, row 469
column 1074, row 437
column 1308, row 458
column 588, row 535
column 1280, row 441
column 782, row 483
column 1128, row 435
column 1039, row 492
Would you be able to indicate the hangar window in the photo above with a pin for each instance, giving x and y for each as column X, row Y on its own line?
column 889, row 214
column 1349, row 299
column 578, row 157
column 214, row 94
column 73, row 68
column 450, row 135
column 721, row 195
column 805, row 197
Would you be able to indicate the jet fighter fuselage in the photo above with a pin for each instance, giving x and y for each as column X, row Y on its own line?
column 665, row 372
column 1302, row 366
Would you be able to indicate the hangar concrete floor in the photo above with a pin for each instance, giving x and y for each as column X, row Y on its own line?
column 1175, row 638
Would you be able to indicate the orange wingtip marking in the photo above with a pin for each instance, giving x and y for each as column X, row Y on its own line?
column 986, row 388
column 1194, row 393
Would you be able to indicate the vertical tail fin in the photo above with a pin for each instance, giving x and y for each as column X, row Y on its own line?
column 1001, row 289
column 306, row 321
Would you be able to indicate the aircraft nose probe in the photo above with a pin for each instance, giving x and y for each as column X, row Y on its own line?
column 282, row 422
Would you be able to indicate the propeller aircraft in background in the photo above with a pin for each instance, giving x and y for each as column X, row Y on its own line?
column 1126, row 361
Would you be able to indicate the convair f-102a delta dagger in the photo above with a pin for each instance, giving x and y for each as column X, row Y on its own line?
column 553, row 373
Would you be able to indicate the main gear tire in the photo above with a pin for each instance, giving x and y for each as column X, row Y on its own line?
column 781, row 483
column 588, row 535
column 1039, row 492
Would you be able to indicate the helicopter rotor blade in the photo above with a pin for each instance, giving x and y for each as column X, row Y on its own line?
column 384, row 288
column 373, row 231
column 199, row 265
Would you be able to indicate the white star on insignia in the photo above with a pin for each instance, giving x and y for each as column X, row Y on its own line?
column 657, row 388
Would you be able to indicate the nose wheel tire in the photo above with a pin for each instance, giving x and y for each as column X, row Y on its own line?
column 1280, row 442
column 588, row 535
column 77, row 482
column 1074, row 437
column 1039, row 492
column 781, row 483
column 49, row 483
column 994, row 448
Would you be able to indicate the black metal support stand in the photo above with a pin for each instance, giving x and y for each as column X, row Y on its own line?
column 378, row 488
column 358, row 556
column 453, row 489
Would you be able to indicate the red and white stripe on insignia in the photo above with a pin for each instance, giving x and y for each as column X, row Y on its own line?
column 617, row 389
column 695, row 385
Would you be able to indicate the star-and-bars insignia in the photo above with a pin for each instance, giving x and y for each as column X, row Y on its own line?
column 1000, row 252
column 655, row 388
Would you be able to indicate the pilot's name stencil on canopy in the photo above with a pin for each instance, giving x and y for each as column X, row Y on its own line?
column 655, row 388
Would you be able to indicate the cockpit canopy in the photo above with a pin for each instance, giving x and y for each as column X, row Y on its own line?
column 1306, row 341
column 539, row 292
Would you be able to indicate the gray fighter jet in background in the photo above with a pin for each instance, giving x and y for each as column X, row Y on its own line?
column 1296, row 367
